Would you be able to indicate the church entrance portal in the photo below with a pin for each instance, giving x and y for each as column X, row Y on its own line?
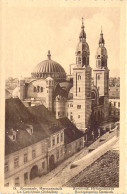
column 33, row 172
column 51, row 162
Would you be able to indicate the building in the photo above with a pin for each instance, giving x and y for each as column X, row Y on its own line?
column 114, row 81
column 50, row 112
column 114, row 98
column 114, row 92
column 35, row 142
column 64, row 95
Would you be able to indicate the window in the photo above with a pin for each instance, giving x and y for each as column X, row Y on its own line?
column 118, row 104
column 25, row 158
column 41, row 89
column 33, row 153
column 6, row 167
column 38, row 88
column 34, row 89
column 43, row 165
column 57, row 138
column 78, row 116
column 78, row 106
column 53, row 141
column 57, row 154
column 98, row 77
column 17, row 181
column 61, row 137
column 80, row 143
column 79, row 77
column 26, row 177
column 61, row 152
column 43, row 147
column 71, row 105
column 114, row 103
column 6, row 185
column 16, row 162
column 49, row 144
column 79, row 60
column 14, row 137
column 99, row 63
column 79, row 90
column 58, row 113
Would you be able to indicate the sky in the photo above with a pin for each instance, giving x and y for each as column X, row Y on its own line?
column 28, row 32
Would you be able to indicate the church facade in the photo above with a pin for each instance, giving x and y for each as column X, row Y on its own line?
column 75, row 96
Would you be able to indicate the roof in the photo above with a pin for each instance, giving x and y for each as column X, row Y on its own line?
column 18, row 117
column 47, row 118
column 101, row 40
column 63, row 88
column 48, row 68
column 101, row 51
column 71, row 133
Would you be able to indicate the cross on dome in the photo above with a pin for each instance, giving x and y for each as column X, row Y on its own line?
column 49, row 55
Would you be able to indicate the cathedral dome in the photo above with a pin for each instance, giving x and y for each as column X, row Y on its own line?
column 49, row 68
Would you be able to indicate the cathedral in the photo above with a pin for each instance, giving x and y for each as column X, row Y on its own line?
column 77, row 96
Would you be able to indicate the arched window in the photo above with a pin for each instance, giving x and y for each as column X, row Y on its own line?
column 79, row 77
column 71, row 105
column 98, row 77
column 79, row 89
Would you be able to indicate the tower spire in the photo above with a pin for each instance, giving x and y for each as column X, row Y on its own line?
column 101, row 30
column 101, row 40
column 82, row 35
column 82, row 21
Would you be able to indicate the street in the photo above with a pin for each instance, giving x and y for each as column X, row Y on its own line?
column 63, row 173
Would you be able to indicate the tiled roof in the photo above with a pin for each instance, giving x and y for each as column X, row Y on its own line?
column 18, row 117
column 71, row 133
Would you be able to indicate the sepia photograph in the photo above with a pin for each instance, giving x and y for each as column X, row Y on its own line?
column 62, row 96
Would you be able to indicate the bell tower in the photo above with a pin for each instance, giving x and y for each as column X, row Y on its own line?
column 82, row 83
column 101, row 73
column 82, row 51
